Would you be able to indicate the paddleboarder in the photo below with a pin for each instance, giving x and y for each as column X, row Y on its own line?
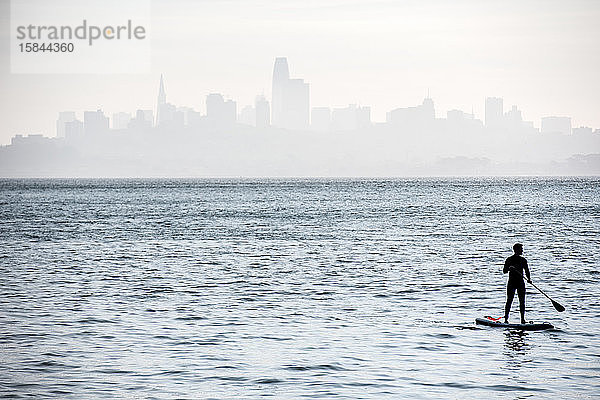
column 514, row 266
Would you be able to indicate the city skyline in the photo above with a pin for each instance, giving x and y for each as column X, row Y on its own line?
column 291, row 109
column 541, row 56
column 301, row 141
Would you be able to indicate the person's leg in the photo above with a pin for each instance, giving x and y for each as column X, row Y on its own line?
column 510, row 294
column 521, row 293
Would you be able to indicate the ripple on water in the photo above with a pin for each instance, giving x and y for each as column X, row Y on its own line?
column 318, row 367
column 318, row 288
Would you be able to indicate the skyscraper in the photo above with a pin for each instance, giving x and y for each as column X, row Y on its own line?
column 121, row 120
column 582, row 130
column 281, row 75
column 561, row 125
column 428, row 108
column 494, row 112
column 412, row 116
column 74, row 130
column 220, row 112
column 350, row 118
column 263, row 116
column 214, row 106
column 291, row 98
column 161, row 102
column 513, row 119
column 94, row 122
column 63, row 118
column 296, row 105
column 143, row 120
column 247, row 116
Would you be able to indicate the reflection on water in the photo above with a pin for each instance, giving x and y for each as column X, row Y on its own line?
column 515, row 342
column 517, row 349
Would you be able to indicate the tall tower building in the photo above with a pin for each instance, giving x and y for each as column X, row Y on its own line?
column 63, row 118
column 162, row 100
column 263, row 116
column 494, row 112
column 296, row 105
column 428, row 109
column 220, row 112
column 281, row 76
column 121, row 120
column 290, row 104
column 94, row 122
column 214, row 106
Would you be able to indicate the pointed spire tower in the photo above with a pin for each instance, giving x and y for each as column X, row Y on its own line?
column 162, row 99
column 428, row 108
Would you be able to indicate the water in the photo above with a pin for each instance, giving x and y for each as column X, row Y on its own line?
column 346, row 289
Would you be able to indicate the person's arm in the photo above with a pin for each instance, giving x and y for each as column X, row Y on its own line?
column 506, row 266
column 526, row 268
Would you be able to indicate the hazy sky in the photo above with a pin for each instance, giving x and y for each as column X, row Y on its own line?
column 540, row 55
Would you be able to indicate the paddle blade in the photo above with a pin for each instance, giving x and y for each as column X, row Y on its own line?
column 558, row 307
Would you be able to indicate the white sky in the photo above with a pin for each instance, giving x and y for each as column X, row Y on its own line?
column 543, row 56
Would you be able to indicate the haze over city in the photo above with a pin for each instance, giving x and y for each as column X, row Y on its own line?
column 540, row 55
column 538, row 59
column 287, row 137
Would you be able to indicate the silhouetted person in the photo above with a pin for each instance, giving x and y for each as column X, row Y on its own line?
column 515, row 265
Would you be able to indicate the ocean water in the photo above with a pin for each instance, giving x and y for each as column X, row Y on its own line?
column 342, row 289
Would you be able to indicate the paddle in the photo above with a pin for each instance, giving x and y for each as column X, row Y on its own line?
column 556, row 305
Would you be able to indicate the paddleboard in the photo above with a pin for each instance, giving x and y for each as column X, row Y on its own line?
column 531, row 326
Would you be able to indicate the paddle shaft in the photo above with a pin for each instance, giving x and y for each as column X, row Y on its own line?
column 554, row 303
column 541, row 291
